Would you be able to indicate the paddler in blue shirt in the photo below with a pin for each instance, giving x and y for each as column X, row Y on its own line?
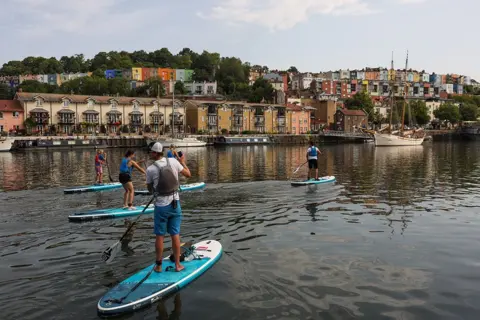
column 172, row 153
column 312, row 158
column 125, row 178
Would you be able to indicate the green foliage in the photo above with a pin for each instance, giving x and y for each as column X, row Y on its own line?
column 39, row 87
column 468, row 112
column 420, row 113
column 180, row 88
column 6, row 93
column 448, row 112
column 262, row 90
column 153, row 88
column 361, row 101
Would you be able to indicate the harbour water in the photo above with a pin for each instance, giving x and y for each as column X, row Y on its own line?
column 396, row 237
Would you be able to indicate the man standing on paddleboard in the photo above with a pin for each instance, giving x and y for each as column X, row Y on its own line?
column 168, row 213
column 312, row 158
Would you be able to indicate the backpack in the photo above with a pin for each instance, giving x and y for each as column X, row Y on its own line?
column 167, row 181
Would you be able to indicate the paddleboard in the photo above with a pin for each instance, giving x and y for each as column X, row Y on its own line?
column 313, row 181
column 110, row 213
column 158, row 285
column 93, row 187
column 183, row 187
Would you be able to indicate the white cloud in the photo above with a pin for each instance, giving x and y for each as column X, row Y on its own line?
column 78, row 17
column 282, row 14
column 411, row 1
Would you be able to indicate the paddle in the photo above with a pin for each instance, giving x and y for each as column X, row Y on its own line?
column 108, row 169
column 109, row 254
column 299, row 167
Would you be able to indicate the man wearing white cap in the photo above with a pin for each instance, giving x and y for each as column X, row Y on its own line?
column 162, row 180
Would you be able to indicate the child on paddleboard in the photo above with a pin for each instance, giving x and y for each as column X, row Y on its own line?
column 99, row 161
column 125, row 178
column 312, row 158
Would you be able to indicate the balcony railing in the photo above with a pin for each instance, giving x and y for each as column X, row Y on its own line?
column 136, row 122
column 156, row 120
column 66, row 120
column 114, row 121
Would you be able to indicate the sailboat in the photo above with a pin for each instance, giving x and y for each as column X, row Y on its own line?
column 177, row 141
column 400, row 137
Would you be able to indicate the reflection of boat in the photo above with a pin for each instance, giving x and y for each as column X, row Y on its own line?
column 6, row 143
column 242, row 140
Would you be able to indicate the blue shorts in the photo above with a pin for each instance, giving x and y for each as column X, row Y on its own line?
column 166, row 219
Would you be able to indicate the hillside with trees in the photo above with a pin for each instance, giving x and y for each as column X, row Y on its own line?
column 231, row 73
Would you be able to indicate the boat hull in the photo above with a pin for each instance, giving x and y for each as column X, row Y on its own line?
column 181, row 143
column 6, row 144
column 394, row 140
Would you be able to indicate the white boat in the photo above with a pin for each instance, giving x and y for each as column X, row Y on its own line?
column 400, row 137
column 386, row 139
column 181, row 142
column 6, row 143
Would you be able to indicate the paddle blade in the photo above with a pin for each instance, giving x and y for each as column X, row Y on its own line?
column 109, row 254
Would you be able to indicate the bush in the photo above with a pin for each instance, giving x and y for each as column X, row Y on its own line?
column 103, row 129
column 233, row 132
column 125, row 129
column 224, row 131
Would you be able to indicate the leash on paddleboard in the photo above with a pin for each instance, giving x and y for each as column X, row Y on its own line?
column 109, row 254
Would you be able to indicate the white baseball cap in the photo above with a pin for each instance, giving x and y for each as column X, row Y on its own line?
column 157, row 147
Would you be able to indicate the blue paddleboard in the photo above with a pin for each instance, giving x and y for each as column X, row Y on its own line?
column 93, row 187
column 313, row 181
column 183, row 187
column 158, row 285
column 109, row 213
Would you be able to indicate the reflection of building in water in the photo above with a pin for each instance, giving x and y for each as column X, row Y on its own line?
column 12, row 173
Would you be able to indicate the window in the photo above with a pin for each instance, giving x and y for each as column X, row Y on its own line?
column 1, row 128
column 114, row 105
column 90, row 104
column 415, row 90
column 375, row 88
column 66, row 103
column 39, row 102
column 17, row 128
column 16, row 114
column 1, row 115
column 210, row 89
column 203, row 118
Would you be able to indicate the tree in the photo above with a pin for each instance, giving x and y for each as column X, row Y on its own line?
column 262, row 90
column 6, row 93
column 153, row 88
column 361, row 101
column 293, row 69
column 448, row 112
column 231, row 72
column 468, row 112
column 180, row 88
column 35, row 86
column 420, row 113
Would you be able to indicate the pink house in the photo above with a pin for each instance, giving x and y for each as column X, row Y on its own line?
column 11, row 116
column 300, row 118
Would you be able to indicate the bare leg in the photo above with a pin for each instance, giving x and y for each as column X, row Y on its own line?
column 316, row 173
column 130, row 194
column 125, row 196
column 176, row 252
column 158, row 251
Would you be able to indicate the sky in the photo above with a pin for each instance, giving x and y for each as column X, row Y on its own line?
column 313, row 35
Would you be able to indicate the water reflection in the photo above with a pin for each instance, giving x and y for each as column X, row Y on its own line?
column 174, row 314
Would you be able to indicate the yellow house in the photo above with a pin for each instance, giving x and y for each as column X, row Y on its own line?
column 137, row 74
column 89, row 114
column 236, row 117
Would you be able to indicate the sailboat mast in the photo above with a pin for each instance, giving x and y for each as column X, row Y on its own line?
column 173, row 111
column 392, row 82
column 405, row 90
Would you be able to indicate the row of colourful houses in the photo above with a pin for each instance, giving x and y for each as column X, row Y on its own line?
column 71, row 113
column 303, row 80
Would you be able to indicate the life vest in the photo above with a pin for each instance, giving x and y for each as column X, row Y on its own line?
column 313, row 151
column 124, row 168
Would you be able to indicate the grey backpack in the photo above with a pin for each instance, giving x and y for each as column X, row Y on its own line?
column 167, row 183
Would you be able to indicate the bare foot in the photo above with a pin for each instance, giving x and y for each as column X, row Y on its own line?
column 179, row 268
column 157, row 268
